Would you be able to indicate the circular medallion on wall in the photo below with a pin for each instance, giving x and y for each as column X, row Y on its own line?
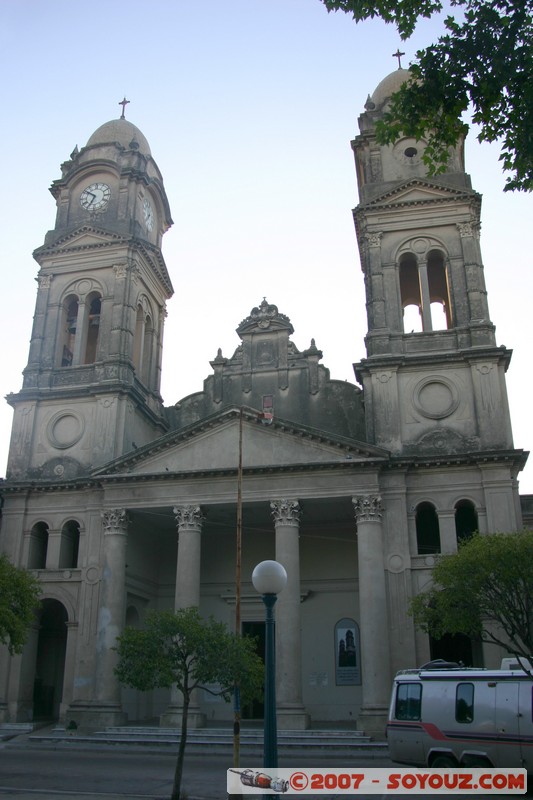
column 409, row 152
column 436, row 398
column 92, row 574
column 65, row 429
column 396, row 563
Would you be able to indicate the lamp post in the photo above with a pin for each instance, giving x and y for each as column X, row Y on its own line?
column 269, row 579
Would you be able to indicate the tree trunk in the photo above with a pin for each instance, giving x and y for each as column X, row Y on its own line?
column 176, row 789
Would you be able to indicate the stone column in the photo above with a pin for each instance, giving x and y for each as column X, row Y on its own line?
column 189, row 523
column 448, row 535
column 425, row 296
column 291, row 713
column 70, row 668
column 53, row 549
column 105, row 706
column 374, row 623
column 189, row 520
column 81, row 336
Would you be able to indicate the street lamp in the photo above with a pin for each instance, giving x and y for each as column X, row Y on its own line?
column 269, row 579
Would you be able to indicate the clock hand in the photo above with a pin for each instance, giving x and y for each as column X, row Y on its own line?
column 93, row 198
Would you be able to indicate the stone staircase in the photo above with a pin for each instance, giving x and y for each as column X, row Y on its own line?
column 217, row 739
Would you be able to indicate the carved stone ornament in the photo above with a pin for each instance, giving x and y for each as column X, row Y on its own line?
column 44, row 281
column 374, row 239
column 189, row 517
column 116, row 519
column 466, row 229
column 265, row 317
column 367, row 508
column 286, row 512
column 120, row 270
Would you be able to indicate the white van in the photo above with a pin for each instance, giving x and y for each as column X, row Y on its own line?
column 443, row 715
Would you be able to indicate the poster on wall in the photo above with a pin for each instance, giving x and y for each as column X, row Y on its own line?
column 347, row 653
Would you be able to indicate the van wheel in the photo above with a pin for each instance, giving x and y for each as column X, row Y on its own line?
column 478, row 762
column 443, row 762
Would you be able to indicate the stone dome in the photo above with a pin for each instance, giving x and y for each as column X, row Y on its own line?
column 123, row 132
column 389, row 85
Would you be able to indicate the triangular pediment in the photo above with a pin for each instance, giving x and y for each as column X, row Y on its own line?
column 212, row 445
column 81, row 239
column 418, row 192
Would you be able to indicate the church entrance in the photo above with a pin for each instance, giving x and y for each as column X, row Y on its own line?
column 50, row 661
column 255, row 630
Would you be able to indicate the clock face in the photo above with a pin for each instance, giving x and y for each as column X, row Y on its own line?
column 148, row 214
column 95, row 197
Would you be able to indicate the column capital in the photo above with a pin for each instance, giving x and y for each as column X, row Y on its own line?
column 115, row 520
column 367, row 508
column 373, row 239
column 286, row 512
column 189, row 517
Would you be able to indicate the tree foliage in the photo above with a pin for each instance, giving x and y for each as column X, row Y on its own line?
column 183, row 649
column 19, row 594
column 483, row 61
column 485, row 590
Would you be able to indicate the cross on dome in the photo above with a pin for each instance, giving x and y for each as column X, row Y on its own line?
column 123, row 103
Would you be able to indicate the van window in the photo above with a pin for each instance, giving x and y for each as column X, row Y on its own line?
column 464, row 702
column 408, row 701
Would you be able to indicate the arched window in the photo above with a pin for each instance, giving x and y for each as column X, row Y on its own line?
column 424, row 292
column 138, row 339
column 439, row 295
column 143, row 342
column 466, row 522
column 427, row 529
column 70, row 544
column 69, row 327
column 38, row 546
column 410, row 294
column 94, row 305
column 147, row 350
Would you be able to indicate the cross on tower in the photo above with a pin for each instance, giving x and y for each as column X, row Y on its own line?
column 398, row 55
column 123, row 103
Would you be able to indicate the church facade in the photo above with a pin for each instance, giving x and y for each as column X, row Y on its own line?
column 120, row 504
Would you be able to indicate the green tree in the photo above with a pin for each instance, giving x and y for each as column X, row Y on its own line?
column 485, row 590
column 482, row 61
column 19, row 594
column 180, row 648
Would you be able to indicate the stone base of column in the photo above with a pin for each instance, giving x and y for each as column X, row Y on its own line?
column 292, row 718
column 171, row 718
column 94, row 716
column 373, row 721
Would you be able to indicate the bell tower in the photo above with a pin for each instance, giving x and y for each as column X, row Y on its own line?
column 91, row 386
column 434, row 379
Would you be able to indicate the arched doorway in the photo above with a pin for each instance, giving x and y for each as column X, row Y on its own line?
column 50, row 660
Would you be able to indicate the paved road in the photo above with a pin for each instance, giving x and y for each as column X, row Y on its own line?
column 73, row 772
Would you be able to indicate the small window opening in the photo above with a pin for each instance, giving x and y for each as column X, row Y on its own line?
column 69, row 332
column 439, row 294
column 411, row 298
column 38, row 546
column 427, row 529
column 410, row 152
column 466, row 521
column 147, row 350
column 93, row 329
column 464, row 702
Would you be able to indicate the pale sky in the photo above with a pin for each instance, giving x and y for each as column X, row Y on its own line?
column 249, row 107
